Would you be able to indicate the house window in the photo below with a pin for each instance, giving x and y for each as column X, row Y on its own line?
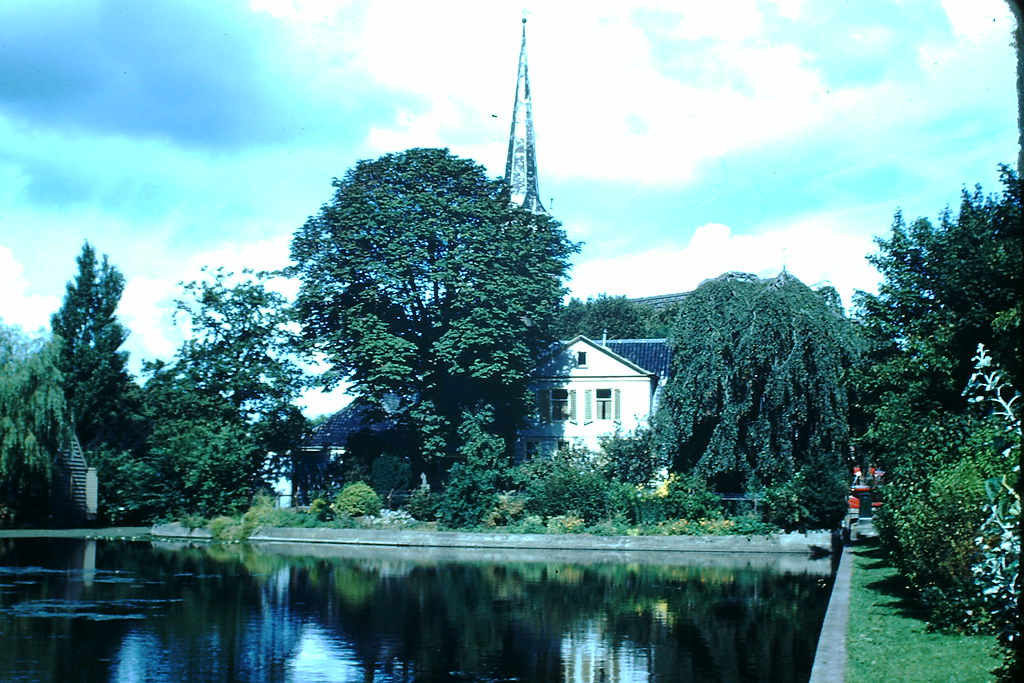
column 603, row 399
column 559, row 404
column 581, row 359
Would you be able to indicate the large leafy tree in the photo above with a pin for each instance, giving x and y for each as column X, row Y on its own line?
column 947, row 287
column 429, row 292
column 757, row 393
column 222, row 410
column 33, row 421
column 97, row 386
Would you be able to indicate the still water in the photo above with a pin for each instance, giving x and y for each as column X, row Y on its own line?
column 76, row 610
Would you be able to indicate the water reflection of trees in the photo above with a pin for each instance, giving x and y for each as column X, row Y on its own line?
column 513, row 620
column 232, row 613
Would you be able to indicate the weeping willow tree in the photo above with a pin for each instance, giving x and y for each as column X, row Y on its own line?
column 757, row 401
column 33, row 421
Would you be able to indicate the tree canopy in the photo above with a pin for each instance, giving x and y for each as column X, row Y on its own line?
column 947, row 287
column 221, row 412
column 757, row 391
column 423, row 287
column 615, row 316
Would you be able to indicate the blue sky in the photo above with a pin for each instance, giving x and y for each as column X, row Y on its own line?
column 677, row 141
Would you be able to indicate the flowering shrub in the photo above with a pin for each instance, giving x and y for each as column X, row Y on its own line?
column 565, row 524
column 687, row 496
column 508, row 508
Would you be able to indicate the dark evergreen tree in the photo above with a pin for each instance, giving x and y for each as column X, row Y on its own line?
column 426, row 290
column 99, row 391
column 757, row 393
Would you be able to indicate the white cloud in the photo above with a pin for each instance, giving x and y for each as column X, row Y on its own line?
column 977, row 20
column 811, row 249
column 619, row 95
column 31, row 312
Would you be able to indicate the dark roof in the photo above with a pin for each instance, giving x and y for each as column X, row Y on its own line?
column 653, row 355
column 350, row 420
column 660, row 300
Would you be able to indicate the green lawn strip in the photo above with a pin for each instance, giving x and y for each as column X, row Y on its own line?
column 888, row 640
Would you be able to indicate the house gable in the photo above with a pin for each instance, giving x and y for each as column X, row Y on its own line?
column 586, row 391
column 582, row 357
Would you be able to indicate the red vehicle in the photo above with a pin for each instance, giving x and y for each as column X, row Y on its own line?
column 863, row 498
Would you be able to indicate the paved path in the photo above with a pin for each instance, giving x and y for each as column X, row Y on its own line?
column 830, row 657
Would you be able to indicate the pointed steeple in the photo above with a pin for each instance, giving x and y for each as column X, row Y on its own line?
column 521, row 166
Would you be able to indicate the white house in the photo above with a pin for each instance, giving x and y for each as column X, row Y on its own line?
column 586, row 390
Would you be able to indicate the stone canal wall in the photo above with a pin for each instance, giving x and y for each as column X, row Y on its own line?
column 818, row 542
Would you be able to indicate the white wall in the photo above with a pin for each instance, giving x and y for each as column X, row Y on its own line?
column 632, row 388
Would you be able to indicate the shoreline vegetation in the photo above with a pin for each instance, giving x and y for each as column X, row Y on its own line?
column 889, row 637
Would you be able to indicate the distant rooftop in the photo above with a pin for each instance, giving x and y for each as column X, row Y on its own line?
column 660, row 300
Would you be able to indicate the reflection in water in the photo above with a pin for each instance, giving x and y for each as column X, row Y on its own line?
column 320, row 657
column 131, row 611
column 588, row 657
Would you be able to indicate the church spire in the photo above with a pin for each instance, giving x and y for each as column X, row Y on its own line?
column 521, row 166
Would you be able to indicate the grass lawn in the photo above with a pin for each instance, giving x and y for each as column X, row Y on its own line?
column 887, row 640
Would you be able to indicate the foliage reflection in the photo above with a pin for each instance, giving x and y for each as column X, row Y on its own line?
column 86, row 610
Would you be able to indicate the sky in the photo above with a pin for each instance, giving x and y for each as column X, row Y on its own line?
column 676, row 141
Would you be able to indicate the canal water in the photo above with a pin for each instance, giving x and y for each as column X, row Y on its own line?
column 78, row 610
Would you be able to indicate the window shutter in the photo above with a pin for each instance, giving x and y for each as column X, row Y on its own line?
column 572, row 406
column 588, row 406
column 544, row 404
column 617, row 405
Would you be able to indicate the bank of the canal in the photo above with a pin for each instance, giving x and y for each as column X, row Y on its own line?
column 813, row 543
column 98, row 532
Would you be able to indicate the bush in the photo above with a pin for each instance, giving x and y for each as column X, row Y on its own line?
column 623, row 502
column 320, row 509
column 687, row 496
column 567, row 482
column 815, row 498
column 508, row 509
column 608, row 528
column 565, row 524
column 422, row 504
column 228, row 529
column 530, row 524
column 930, row 525
column 631, row 458
column 696, row 527
column 473, row 484
column 357, row 499
column 650, row 508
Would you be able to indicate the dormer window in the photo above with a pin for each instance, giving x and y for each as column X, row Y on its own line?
column 581, row 359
